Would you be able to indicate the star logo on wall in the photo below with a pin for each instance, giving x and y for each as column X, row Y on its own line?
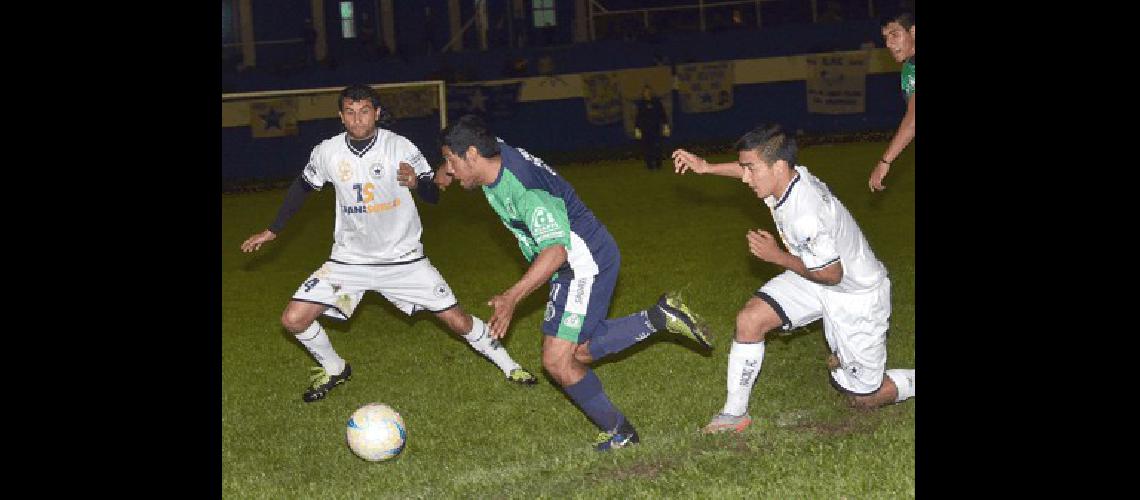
column 273, row 119
column 478, row 101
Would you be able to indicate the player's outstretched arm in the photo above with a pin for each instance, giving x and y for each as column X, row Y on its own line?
column 253, row 243
column 684, row 161
column 545, row 264
column 898, row 143
column 295, row 197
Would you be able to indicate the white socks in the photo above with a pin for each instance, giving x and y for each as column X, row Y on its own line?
column 744, row 362
column 480, row 340
column 904, row 380
column 317, row 342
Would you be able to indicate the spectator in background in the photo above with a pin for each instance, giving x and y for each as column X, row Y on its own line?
column 545, row 65
column 737, row 19
column 898, row 32
column 650, row 124
column 515, row 67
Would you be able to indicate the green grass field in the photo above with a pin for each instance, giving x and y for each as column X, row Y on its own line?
column 471, row 434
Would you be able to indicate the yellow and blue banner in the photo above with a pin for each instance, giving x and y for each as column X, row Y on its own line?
column 837, row 82
column 602, row 93
column 705, row 87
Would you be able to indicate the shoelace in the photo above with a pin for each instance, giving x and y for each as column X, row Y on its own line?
column 603, row 437
column 319, row 377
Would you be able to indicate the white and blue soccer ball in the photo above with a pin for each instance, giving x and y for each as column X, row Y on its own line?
column 376, row 432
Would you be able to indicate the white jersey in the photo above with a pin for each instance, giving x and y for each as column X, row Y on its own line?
column 819, row 230
column 376, row 218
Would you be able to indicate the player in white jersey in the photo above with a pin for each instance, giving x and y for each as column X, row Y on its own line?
column 376, row 241
column 831, row 274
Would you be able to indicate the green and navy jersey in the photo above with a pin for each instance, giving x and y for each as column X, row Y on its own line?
column 908, row 78
column 541, row 209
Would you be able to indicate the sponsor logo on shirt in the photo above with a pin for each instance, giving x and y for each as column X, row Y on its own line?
column 544, row 225
column 373, row 208
column 440, row 290
column 344, row 170
column 376, row 170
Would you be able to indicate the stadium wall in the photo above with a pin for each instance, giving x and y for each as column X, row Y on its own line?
column 765, row 90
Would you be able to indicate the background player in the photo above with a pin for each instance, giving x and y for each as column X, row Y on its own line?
column 898, row 32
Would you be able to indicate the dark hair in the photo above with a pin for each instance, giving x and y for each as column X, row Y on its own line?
column 905, row 19
column 467, row 131
column 360, row 92
column 771, row 143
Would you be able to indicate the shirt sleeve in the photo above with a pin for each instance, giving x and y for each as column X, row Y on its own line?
column 814, row 242
column 545, row 218
column 314, row 173
column 294, row 198
column 407, row 152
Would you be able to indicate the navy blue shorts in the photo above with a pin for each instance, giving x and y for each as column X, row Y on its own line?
column 576, row 319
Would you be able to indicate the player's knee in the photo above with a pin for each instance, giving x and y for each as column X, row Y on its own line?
column 754, row 322
column 559, row 365
column 881, row 397
column 457, row 320
column 295, row 321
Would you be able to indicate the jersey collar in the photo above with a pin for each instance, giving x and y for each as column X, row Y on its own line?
column 788, row 191
column 361, row 152
column 502, row 168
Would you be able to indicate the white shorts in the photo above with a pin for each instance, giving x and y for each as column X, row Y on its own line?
column 410, row 286
column 855, row 325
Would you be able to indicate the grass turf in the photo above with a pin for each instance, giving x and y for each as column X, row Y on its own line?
column 472, row 434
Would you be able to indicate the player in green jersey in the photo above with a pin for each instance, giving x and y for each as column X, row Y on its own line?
column 569, row 248
column 898, row 33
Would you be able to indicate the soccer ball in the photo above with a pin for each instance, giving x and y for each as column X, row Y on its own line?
column 376, row 432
